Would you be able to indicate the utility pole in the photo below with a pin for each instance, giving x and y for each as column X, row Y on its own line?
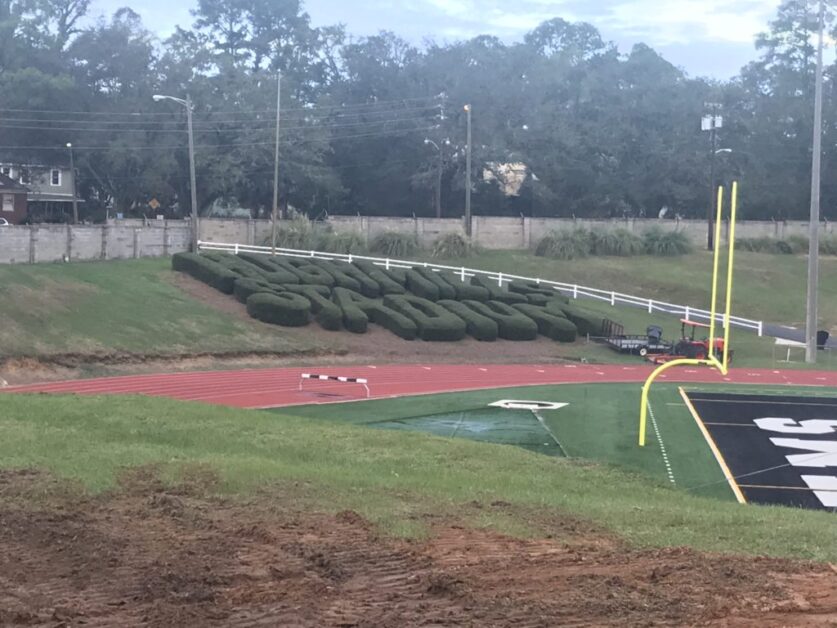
column 75, row 188
column 276, row 164
column 711, row 123
column 468, row 175
column 814, row 220
column 192, row 176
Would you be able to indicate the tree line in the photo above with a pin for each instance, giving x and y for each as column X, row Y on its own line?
column 375, row 125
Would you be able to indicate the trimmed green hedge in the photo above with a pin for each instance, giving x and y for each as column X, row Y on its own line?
column 434, row 322
column 512, row 325
column 465, row 291
column 265, row 267
column 586, row 321
column 354, row 318
column 478, row 326
column 327, row 313
column 388, row 282
column 286, row 308
column 309, row 273
column 535, row 293
column 369, row 287
column 549, row 325
column 446, row 290
column 495, row 292
column 341, row 279
column 421, row 286
column 205, row 270
column 245, row 287
column 395, row 322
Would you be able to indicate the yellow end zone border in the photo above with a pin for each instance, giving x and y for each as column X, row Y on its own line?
column 715, row 451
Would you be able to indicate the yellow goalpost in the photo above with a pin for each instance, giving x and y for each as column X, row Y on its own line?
column 711, row 359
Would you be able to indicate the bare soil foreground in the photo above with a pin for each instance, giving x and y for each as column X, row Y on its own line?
column 150, row 555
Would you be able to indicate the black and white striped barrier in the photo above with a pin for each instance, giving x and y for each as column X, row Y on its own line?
column 336, row 378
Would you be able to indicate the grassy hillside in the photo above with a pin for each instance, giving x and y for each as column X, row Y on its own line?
column 399, row 480
column 119, row 306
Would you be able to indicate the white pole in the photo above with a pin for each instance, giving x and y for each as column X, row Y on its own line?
column 814, row 220
column 276, row 164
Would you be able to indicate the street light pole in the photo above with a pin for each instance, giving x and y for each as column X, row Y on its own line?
column 192, row 177
column 468, row 175
column 814, row 220
column 276, row 165
column 73, row 177
column 712, row 127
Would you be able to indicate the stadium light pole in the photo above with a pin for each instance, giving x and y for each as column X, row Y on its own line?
column 814, row 219
column 73, row 177
column 187, row 103
column 468, row 175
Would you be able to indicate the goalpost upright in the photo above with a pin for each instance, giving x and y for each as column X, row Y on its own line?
column 711, row 359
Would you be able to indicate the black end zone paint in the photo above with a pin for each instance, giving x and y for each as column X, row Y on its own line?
column 763, row 472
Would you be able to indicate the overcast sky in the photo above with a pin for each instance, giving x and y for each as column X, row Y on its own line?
column 706, row 37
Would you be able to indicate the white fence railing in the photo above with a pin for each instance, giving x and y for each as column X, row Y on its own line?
column 571, row 290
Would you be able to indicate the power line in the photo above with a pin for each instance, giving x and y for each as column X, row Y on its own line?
column 208, row 128
column 245, row 144
column 229, row 112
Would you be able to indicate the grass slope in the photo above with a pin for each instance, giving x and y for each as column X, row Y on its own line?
column 118, row 306
column 391, row 477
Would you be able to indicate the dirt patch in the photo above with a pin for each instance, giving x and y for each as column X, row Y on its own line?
column 156, row 556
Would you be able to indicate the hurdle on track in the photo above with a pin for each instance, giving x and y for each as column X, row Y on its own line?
column 335, row 378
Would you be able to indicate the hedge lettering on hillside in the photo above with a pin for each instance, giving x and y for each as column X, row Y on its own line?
column 438, row 307
column 434, row 322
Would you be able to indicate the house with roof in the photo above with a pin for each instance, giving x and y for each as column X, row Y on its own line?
column 13, row 200
column 50, row 188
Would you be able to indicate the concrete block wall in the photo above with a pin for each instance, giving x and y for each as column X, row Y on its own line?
column 54, row 243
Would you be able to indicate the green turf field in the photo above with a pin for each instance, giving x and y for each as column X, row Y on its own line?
column 600, row 423
column 401, row 481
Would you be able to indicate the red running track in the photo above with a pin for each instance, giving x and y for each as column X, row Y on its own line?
column 277, row 387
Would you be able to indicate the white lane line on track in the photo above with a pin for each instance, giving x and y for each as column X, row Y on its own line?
column 484, row 370
column 426, row 368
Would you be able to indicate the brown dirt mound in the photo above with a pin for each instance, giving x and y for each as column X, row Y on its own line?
column 147, row 555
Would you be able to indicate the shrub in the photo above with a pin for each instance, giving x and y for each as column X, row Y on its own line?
column 618, row 242
column 587, row 322
column 446, row 290
column 205, row 270
column 387, row 284
column 495, row 292
column 512, row 325
column 798, row 244
column 323, row 291
column 245, row 287
column 664, row 243
column 395, row 322
column 476, row 325
column 533, row 291
column 828, row 245
column 464, row 290
column 326, row 313
column 354, row 318
column 298, row 233
column 554, row 327
column 395, row 244
column 451, row 246
column 341, row 279
column 347, row 243
column 434, row 322
column 421, row 286
column 565, row 244
column 286, row 308
column 369, row 287
column 310, row 273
